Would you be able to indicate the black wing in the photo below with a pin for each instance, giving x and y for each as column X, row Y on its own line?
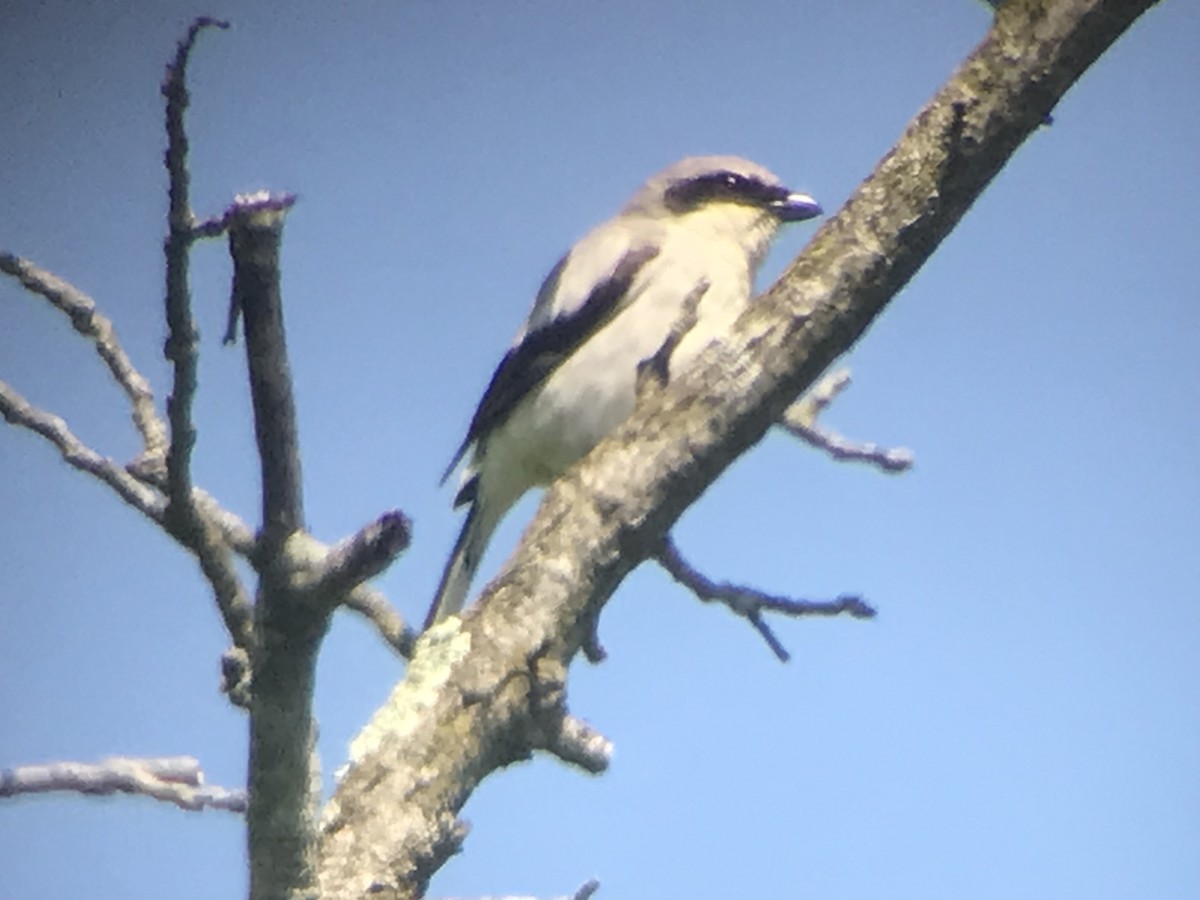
column 530, row 363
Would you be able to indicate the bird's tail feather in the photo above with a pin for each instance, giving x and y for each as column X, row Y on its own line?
column 460, row 568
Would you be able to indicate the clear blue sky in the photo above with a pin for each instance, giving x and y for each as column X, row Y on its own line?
column 1023, row 718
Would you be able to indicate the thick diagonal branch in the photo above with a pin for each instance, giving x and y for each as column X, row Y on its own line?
column 476, row 693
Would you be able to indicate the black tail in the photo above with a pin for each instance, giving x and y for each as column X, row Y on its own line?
column 460, row 568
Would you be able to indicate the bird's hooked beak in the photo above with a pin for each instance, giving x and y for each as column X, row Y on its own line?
column 796, row 208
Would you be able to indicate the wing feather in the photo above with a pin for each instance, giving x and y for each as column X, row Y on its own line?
column 550, row 340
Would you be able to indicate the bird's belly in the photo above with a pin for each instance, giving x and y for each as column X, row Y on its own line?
column 593, row 391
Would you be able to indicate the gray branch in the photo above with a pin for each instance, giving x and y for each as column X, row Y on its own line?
column 182, row 337
column 139, row 483
column 255, row 233
column 750, row 603
column 89, row 322
column 203, row 536
column 19, row 411
column 362, row 556
column 284, row 774
column 577, row 743
column 375, row 608
column 231, row 529
column 271, row 668
column 800, row 420
column 184, row 518
column 474, row 690
column 173, row 779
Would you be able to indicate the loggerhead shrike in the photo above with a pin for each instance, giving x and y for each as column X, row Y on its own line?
column 699, row 228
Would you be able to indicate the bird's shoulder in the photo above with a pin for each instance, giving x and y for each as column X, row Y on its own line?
column 580, row 279
column 583, row 291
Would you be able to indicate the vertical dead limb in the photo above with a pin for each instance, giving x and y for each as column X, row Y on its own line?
column 183, row 519
column 284, row 774
column 255, row 230
column 180, row 349
column 271, row 669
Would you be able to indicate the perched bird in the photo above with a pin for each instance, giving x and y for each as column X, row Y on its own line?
column 699, row 228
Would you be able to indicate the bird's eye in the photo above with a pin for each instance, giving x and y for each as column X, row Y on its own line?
column 720, row 186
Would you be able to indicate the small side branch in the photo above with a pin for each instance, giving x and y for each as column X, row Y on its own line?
column 96, row 327
column 361, row 556
column 205, row 538
column 800, row 420
column 339, row 573
column 751, row 604
column 579, row 744
column 233, row 530
column 19, row 411
column 173, row 779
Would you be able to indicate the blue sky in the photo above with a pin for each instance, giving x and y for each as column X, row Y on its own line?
column 1023, row 718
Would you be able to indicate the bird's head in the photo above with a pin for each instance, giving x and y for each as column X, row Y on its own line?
column 724, row 195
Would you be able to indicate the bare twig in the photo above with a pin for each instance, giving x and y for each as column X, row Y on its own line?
column 184, row 519
column 585, row 892
column 212, row 227
column 88, row 321
column 800, row 420
column 234, row 530
column 203, row 539
column 336, row 574
column 182, row 337
column 308, row 558
column 236, row 677
column 374, row 607
column 173, row 779
column 750, row 603
column 149, row 501
column 817, row 398
column 19, row 411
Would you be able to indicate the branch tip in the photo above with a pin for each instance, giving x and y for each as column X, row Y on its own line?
column 172, row 779
column 750, row 603
column 577, row 743
column 800, row 420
